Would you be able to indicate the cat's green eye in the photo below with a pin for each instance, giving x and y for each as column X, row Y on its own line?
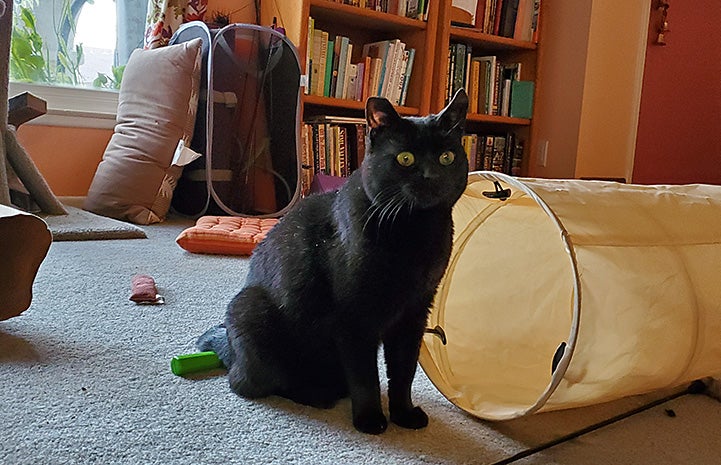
column 447, row 158
column 405, row 159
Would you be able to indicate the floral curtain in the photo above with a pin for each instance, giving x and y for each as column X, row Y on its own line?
column 165, row 16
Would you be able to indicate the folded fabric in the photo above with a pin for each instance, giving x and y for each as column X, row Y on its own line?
column 225, row 235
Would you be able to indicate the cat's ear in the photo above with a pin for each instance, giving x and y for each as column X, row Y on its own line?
column 454, row 115
column 380, row 112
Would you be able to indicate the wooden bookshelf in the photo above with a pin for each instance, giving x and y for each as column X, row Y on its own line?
column 361, row 26
column 431, row 39
column 506, row 49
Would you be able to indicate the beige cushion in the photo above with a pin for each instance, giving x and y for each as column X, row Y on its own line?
column 156, row 110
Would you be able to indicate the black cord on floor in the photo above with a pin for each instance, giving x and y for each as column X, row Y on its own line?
column 697, row 387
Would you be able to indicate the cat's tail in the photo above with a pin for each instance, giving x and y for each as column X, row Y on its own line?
column 216, row 339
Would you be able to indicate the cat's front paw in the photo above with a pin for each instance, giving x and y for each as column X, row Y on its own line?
column 414, row 418
column 370, row 423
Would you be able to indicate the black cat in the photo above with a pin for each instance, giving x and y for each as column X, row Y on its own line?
column 345, row 271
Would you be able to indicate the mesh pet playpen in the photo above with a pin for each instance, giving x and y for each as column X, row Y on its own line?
column 247, row 126
column 564, row 293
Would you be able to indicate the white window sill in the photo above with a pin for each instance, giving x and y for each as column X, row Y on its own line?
column 72, row 106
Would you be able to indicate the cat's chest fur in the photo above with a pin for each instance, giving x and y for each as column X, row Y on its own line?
column 392, row 261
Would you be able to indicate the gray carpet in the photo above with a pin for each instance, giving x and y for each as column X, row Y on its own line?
column 85, row 379
column 81, row 225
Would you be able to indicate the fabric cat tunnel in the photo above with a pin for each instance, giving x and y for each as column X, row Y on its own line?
column 565, row 293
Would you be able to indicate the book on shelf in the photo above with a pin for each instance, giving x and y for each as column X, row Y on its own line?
column 415, row 9
column 517, row 19
column 328, row 78
column 494, row 152
column 350, row 82
column 342, row 59
column 507, row 22
column 407, row 74
column 365, row 78
column 333, row 146
column 488, row 81
column 397, row 69
column 347, row 72
column 463, row 12
column 322, row 63
column 378, row 50
column 306, row 162
column 337, row 41
column 474, row 86
column 535, row 20
column 521, row 105
column 309, row 54
column 523, row 29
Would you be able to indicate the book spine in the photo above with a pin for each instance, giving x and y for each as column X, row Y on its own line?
column 306, row 164
column 336, row 59
column 360, row 149
column 328, row 68
column 508, row 152
column 320, row 89
column 348, row 71
column 535, row 20
column 309, row 54
column 316, row 147
column 408, row 74
column 389, row 68
column 316, row 59
column 343, row 150
column 322, row 155
column 473, row 89
column 488, row 154
column 496, row 88
column 499, row 150
column 343, row 57
column 366, row 78
column 352, row 75
column 460, row 68
column 517, row 161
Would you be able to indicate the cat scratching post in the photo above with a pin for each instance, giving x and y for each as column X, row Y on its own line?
column 24, row 238
column 565, row 293
column 14, row 160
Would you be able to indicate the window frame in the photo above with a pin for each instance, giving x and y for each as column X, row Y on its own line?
column 72, row 106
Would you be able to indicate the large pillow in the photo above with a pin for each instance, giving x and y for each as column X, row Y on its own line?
column 156, row 111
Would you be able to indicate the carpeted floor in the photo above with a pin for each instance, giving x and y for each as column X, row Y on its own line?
column 81, row 225
column 85, row 378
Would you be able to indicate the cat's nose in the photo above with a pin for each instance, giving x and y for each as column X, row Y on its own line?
column 429, row 174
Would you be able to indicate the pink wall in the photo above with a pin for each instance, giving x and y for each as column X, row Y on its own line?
column 679, row 131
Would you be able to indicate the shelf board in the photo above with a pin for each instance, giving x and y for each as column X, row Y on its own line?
column 490, row 41
column 346, row 104
column 356, row 17
column 481, row 118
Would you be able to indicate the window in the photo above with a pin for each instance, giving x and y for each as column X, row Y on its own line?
column 66, row 51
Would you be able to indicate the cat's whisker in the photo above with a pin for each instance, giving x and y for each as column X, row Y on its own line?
column 380, row 203
column 402, row 202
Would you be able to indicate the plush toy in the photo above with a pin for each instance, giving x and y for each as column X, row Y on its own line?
column 195, row 362
column 145, row 291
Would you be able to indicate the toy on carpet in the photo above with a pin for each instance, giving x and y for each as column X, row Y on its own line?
column 195, row 362
column 145, row 291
